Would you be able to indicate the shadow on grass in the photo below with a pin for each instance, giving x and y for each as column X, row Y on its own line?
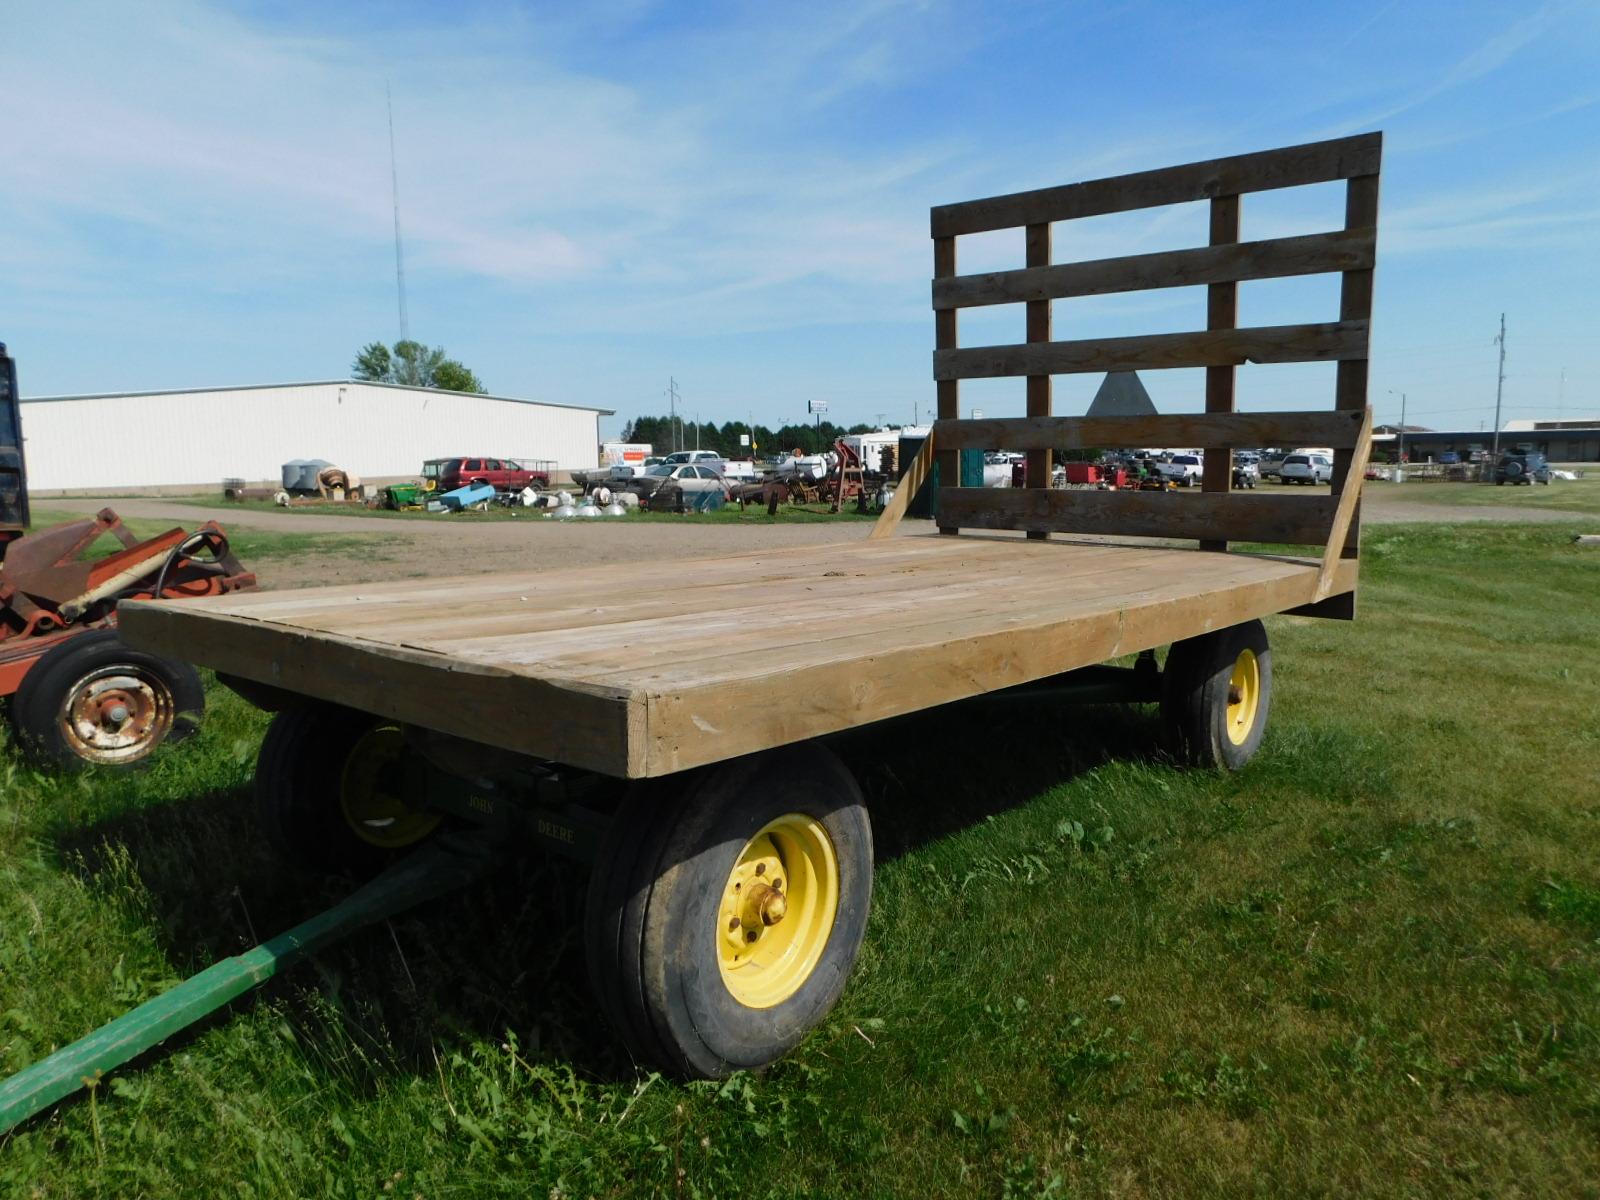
column 506, row 956
column 935, row 773
column 503, row 956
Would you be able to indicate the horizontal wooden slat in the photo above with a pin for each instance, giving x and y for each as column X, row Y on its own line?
column 1293, row 166
column 1201, row 348
column 1336, row 430
column 1235, row 516
column 1276, row 258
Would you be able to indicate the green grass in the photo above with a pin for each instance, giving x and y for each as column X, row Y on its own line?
column 1569, row 495
column 252, row 545
column 1369, row 963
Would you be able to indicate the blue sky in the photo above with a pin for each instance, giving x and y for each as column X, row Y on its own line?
column 598, row 197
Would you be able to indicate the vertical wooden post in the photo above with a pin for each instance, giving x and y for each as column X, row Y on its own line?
column 949, row 390
column 1040, row 462
column 1355, row 304
column 1222, row 312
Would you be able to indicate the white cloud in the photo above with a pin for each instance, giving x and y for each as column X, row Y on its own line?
column 253, row 149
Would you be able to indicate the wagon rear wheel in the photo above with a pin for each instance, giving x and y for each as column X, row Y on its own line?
column 1216, row 690
column 331, row 791
column 723, row 922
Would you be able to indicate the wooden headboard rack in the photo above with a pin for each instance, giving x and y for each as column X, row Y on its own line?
column 1217, row 516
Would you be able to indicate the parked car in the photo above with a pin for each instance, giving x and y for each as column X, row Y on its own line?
column 670, row 486
column 1185, row 470
column 1270, row 463
column 1522, row 466
column 503, row 474
column 697, row 458
column 1306, row 468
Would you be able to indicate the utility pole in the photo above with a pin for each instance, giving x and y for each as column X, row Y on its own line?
column 1400, row 437
column 399, row 258
column 1499, row 388
column 672, row 404
column 697, row 431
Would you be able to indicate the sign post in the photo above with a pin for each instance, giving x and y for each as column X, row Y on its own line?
column 818, row 407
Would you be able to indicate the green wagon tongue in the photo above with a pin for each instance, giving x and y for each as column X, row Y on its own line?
column 445, row 864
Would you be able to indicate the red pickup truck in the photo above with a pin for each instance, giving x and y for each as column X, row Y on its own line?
column 505, row 474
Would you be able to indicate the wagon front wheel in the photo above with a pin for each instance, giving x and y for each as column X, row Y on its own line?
column 1216, row 690
column 331, row 791
column 723, row 922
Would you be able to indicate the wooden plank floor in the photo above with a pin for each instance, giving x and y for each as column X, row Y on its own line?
column 640, row 672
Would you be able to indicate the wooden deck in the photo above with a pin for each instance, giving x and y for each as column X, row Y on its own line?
column 642, row 674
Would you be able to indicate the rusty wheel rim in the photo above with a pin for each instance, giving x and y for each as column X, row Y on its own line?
column 116, row 715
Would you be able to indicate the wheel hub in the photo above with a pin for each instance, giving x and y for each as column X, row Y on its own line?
column 1244, row 696
column 116, row 715
column 371, row 793
column 777, row 911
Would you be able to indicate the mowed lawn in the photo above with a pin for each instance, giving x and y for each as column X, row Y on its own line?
column 1370, row 963
column 1572, row 495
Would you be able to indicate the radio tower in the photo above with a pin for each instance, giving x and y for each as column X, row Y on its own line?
column 399, row 255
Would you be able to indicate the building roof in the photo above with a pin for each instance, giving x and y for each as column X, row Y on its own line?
column 1122, row 394
column 252, row 387
column 1507, row 435
column 1558, row 425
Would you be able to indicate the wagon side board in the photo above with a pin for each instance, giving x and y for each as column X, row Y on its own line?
column 595, row 728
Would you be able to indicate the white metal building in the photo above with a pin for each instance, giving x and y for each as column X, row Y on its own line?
column 196, row 438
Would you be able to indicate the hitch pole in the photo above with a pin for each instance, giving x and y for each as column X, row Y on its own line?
column 446, row 864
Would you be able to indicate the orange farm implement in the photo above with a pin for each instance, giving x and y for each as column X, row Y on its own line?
column 76, row 691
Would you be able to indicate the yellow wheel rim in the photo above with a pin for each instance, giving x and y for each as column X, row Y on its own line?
column 374, row 811
column 1244, row 696
column 777, row 911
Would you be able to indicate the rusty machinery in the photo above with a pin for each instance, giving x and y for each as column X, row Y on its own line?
column 847, row 479
column 76, row 692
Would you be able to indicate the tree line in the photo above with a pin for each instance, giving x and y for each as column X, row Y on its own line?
column 667, row 434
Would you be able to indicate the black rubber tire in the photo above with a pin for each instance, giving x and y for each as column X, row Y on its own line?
column 653, row 909
column 36, row 708
column 298, row 769
column 1194, row 696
